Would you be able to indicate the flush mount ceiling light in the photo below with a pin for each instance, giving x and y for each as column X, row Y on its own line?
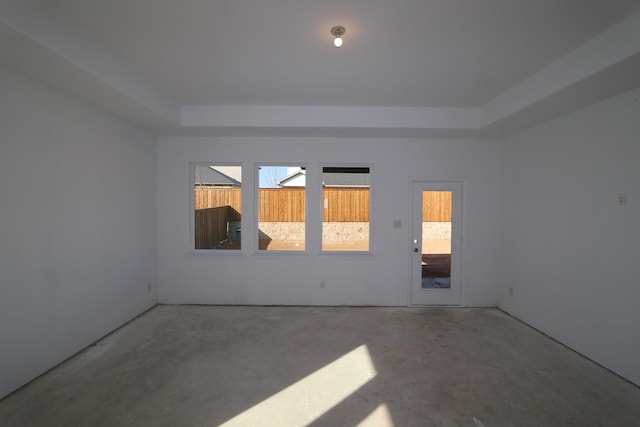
column 337, row 32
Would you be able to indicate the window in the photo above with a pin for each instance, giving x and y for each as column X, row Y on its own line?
column 281, row 208
column 217, row 202
column 346, row 206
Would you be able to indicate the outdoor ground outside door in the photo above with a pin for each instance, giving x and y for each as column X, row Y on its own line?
column 435, row 244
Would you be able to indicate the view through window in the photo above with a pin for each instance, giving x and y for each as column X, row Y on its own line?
column 436, row 239
column 217, row 206
column 346, row 204
column 281, row 208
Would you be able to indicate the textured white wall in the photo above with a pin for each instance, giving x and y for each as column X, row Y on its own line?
column 378, row 279
column 570, row 253
column 77, row 227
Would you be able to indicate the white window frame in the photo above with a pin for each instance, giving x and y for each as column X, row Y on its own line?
column 192, row 226
column 371, row 206
column 256, row 202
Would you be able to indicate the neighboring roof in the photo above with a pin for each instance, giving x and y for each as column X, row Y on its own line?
column 346, row 177
column 208, row 175
column 345, row 180
column 232, row 171
column 290, row 180
column 332, row 177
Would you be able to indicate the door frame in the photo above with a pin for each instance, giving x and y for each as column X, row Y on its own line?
column 436, row 297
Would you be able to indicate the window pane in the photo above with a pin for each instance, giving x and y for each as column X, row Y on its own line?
column 345, row 209
column 436, row 239
column 281, row 208
column 218, row 206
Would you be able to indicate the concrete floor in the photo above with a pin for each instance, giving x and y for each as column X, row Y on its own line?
column 295, row 366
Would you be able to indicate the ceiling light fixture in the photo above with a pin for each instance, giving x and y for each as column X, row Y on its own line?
column 337, row 32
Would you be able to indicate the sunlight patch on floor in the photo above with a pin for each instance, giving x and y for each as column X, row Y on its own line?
column 380, row 417
column 308, row 399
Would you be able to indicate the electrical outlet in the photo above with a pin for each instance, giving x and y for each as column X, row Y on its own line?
column 323, row 284
column 622, row 199
column 510, row 291
column 148, row 286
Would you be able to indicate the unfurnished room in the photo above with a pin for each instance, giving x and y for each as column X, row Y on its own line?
column 331, row 213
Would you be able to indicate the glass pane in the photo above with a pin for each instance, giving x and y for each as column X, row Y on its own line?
column 436, row 239
column 218, row 206
column 281, row 208
column 345, row 209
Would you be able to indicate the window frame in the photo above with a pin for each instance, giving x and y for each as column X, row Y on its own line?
column 256, row 206
column 370, row 166
column 192, row 222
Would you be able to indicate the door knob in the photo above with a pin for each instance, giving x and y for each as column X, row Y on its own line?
column 415, row 249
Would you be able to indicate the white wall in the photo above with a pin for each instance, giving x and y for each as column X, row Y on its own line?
column 570, row 253
column 380, row 279
column 77, row 227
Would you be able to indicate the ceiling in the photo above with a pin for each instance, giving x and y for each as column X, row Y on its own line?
column 183, row 66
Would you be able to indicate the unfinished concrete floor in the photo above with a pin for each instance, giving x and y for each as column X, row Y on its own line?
column 295, row 366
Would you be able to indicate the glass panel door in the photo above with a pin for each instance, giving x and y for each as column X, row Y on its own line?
column 435, row 243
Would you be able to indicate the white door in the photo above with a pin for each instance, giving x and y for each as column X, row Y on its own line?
column 436, row 231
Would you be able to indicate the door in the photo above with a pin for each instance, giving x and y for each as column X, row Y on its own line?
column 436, row 242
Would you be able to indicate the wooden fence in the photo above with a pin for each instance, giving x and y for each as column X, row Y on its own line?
column 436, row 206
column 211, row 226
column 281, row 205
column 216, row 197
column 345, row 205
column 338, row 204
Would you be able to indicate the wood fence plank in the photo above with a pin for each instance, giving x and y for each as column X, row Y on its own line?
column 288, row 204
